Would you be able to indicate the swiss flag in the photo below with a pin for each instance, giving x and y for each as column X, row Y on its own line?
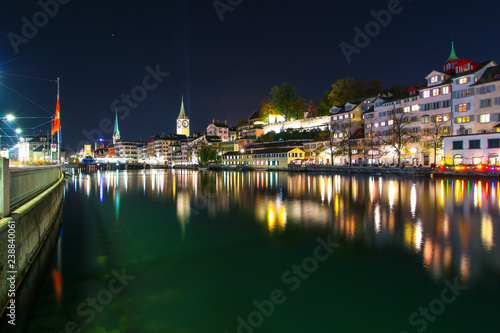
column 57, row 121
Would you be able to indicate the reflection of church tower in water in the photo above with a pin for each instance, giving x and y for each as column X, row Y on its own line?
column 183, row 121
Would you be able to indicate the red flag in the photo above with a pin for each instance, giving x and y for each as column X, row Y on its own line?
column 57, row 121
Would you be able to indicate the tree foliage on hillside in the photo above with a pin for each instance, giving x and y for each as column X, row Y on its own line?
column 286, row 101
column 208, row 154
column 348, row 89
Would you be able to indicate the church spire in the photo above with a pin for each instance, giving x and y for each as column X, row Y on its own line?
column 116, row 132
column 453, row 55
column 182, row 114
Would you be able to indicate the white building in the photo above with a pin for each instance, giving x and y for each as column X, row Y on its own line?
column 487, row 101
column 220, row 130
column 129, row 150
column 472, row 149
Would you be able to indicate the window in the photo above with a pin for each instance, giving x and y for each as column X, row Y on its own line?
column 382, row 123
column 462, row 107
column 463, row 80
column 474, row 144
column 435, row 92
column 407, row 109
column 425, row 119
column 390, row 122
column 485, row 118
column 446, row 90
column 485, row 103
column 463, row 93
column 461, row 120
column 426, row 94
column 486, row 89
column 415, row 107
column 442, row 117
column 493, row 143
column 458, row 145
column 446, row 104
column 368, row 125
column 434, row 79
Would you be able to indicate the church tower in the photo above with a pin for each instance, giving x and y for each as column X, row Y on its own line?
column 183, row 121
column 116, row 132
column 449, row 65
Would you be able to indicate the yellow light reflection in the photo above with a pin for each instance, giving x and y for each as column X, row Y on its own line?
column 487, row 232
column 413, row 200
column 392, row 193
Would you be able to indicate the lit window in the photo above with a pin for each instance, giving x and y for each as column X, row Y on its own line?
column 442, row 117
column 462, row 107
column 427, row 94
column 382, row 123
column 425, row 119
column 446, row 90
column 463, row 119
column 435, row 92
column 415, row 107
column 484, row 118
column 463, row 80
column 434, row 79
column 377, row 125
column 407, row 109
column 390, row 122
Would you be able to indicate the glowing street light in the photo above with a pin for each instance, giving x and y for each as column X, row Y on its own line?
column 18, row 130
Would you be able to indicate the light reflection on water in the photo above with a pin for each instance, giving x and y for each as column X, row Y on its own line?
column 204, row 245
column 449, row 223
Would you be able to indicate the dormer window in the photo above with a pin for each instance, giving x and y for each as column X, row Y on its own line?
column 434, row 79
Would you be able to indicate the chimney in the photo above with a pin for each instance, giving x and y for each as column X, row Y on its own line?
column 213, row 120
column 225, row 122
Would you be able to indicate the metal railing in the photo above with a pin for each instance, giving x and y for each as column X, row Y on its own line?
column 19, row 183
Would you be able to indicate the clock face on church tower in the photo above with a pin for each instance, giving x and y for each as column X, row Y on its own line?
column 179, row 123
column 185, row 123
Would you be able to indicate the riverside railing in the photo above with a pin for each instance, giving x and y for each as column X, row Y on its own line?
column 18, row 183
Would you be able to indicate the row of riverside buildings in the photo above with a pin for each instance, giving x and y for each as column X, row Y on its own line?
column 454, row 119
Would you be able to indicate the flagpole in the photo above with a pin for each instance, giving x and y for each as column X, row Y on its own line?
column 58, row 132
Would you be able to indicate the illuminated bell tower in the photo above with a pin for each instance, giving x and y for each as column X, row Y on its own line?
column 182, row 121
column 116, row 132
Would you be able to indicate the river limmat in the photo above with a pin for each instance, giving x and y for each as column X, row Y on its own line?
column 189, row 251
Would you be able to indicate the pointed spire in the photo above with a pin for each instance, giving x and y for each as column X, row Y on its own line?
column 453, row 55
column 117, row 130
column 182, row 114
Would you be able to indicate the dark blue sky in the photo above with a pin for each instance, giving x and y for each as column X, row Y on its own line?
column 100, row 50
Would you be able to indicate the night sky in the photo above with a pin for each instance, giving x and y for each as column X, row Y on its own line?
column 100, row 50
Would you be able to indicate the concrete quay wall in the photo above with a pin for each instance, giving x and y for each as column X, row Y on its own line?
column 29, row 226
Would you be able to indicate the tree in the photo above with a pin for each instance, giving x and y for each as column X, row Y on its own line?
column 399, row 135
column 348, row 136
column 208, row 154
column 434, row 136
column 287, row 102
column 266, row 109
column 348, row 89
column 324, row 107
column 241, row 123
column 328, row 137
column 371, row 144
